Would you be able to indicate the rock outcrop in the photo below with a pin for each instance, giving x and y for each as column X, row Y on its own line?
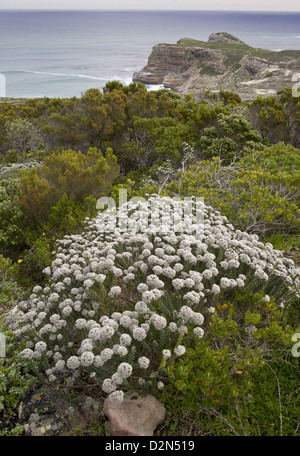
column 223, row 37
column 222, row 63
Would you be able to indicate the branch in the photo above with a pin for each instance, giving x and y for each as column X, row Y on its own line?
column 279, row 396
column 214, row 412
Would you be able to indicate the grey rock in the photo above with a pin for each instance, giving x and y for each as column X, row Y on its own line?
column 135, row 416
column 224, row 37
column 15, row 317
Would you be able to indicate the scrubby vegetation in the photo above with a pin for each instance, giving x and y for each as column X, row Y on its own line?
column 202, row 319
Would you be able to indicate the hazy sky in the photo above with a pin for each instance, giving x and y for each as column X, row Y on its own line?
column 242, row 5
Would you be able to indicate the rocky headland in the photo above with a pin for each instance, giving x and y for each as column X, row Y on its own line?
column 222, row 63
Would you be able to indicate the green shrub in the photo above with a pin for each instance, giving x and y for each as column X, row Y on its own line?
column 12, row 221
column 66, row 217
column 10, row 289
column 255, row 199
column 232, row 137
column 76, row 175
column 242, row 373
column 23, row 136
column 17, row 377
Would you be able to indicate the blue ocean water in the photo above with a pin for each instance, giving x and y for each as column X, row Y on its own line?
column 62, row 54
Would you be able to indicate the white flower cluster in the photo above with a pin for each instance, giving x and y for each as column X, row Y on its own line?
column 159, row 280
column 18, row 166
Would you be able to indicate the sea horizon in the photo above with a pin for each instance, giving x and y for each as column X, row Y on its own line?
column 147, row 10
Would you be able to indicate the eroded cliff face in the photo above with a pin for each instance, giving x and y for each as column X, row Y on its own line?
column 222, row 63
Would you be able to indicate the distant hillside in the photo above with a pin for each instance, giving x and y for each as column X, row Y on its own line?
column 222, row 63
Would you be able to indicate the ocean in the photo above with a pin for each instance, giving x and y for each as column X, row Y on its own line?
column 63, row 54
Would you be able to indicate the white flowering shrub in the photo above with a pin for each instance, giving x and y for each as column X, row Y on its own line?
column 124, row 296
column 14, row 169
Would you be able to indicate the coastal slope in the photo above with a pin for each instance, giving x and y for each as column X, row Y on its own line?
column 224, row 62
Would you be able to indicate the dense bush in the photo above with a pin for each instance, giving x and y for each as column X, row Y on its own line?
column 202, row 320
column 23, row 136
column 10, row 289
column 259, row 193
column 12, row 221
column 129, row 296
column 246, row 341
column 232, row 138
column 277, row 118
column 69, row 173
column 17, row 377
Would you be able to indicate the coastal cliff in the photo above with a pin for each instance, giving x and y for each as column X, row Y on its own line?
column 222, row 63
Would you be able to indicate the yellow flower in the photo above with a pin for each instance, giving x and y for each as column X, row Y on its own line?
column 20, row 261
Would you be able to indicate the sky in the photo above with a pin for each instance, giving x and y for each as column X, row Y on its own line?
column 221, row 5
